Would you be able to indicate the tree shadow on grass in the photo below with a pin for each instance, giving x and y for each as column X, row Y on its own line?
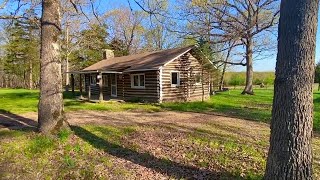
column 161, row 165
column 16, row 122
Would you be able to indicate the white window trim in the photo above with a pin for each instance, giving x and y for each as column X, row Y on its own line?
column 132, row 82
column 178, row 80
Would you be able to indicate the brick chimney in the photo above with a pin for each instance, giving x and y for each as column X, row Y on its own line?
column 108, row 54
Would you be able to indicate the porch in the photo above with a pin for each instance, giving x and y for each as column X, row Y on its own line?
column 97, row 86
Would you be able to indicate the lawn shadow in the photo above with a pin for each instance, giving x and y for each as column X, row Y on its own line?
column 16, row 122
column 161, row 165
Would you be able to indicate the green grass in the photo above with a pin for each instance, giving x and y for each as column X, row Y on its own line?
column 20, row 101
column 232, row 103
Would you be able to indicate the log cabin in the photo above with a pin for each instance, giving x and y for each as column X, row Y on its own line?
column 161, row 76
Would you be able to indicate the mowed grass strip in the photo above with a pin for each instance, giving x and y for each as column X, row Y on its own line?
column 230, row 103
column 19, row 101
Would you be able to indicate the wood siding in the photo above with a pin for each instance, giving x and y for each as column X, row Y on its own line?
column 158, row 86
column 124, row 89
column 188, row 90
column 149, row 93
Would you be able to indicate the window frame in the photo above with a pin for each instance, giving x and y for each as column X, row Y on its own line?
column 106, row 81
column 96, row 79
column 139, row 81
column 178, row 79
column 199, row 74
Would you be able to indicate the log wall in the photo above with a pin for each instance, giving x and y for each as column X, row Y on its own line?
column 188, row 90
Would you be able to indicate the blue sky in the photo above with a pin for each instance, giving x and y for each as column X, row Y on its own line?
column 267, row 64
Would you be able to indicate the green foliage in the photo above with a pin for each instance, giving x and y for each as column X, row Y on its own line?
column 119, row 48
column 91, row 43
column 236, row 80
column 22, row 53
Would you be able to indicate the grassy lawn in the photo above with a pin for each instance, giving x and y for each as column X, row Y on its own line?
column 19, row 101
column 219, row 148
column 232, row 103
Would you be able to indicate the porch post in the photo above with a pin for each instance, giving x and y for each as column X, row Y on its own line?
column 89, row 88
column 80, row 85
column 72, row 83
column 100, row 87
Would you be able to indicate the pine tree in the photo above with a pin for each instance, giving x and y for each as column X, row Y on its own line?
column 21, row 60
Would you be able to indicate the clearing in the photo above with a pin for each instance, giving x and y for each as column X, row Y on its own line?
column 198, row 140
column 138, row 145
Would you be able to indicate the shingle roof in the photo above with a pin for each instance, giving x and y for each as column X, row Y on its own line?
column 144, row 61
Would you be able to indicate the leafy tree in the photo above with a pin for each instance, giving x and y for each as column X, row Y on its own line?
column 290, row 152
column 90, row 44
column 119, row 47
column 22, row 54
column 236, row 80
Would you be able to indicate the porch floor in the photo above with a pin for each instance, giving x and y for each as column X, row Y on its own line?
column 95, row 98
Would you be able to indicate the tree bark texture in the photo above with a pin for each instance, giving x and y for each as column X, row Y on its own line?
column 249, row 64
column 290, row 153
column 50, row 114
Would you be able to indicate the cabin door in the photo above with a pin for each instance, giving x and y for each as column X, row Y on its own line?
column 113, row 85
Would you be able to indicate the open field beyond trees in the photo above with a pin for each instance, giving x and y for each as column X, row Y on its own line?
column 115, row 140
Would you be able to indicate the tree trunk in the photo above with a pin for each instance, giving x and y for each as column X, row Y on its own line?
column 30, row 75
column 249, row 73
column 290, row 152
column 50, row 114
column 221, row 83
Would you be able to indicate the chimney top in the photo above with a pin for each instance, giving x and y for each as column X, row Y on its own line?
column 108, row 54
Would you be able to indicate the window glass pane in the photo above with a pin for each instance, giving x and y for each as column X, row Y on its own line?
column 141, row 80
column 113, row 79
column 174, row 78
column 105, row 80
column 198, row 78
column 93, row 79
column 135, row 80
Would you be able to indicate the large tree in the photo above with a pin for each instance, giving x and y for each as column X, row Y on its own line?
column 245, row 23
column 50, row 114
column 290, row 152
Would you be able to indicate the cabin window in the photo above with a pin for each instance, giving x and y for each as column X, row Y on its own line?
column 175, row 78
column 93, row 79
column 105, row 80
column 138, row 81
column 198, row 78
